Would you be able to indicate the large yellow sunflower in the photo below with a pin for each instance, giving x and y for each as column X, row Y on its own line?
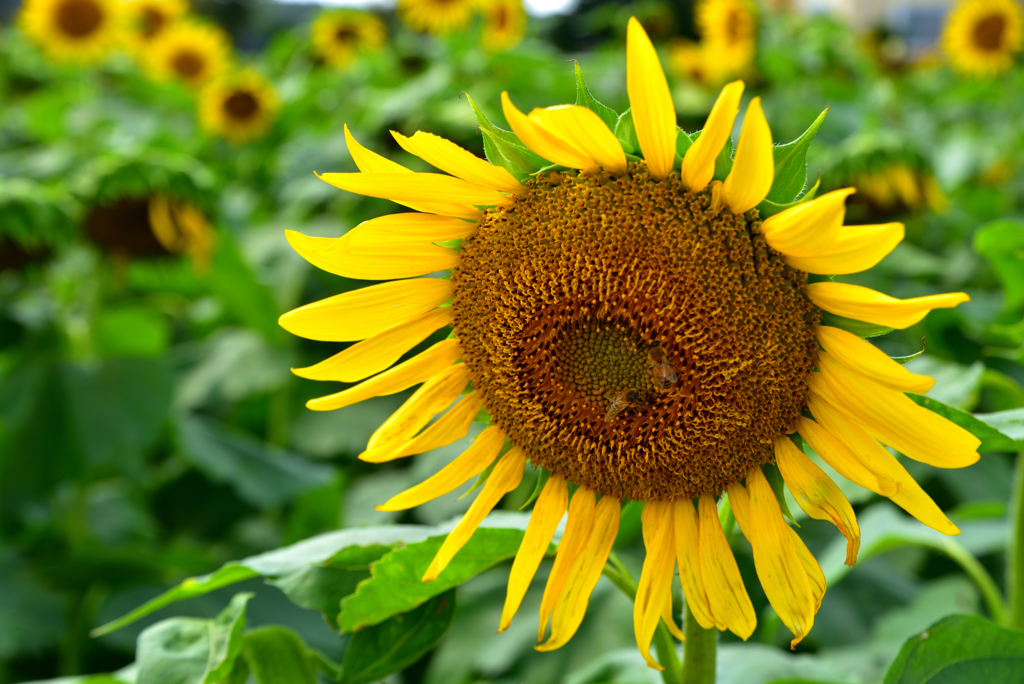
column 728, row 30
column 984, row 36
column 238, row 107
column 340, row 35
column 190, row 52
column 632, row 327
column 437, row 16
column 504, row 23
column 147, row 20
column 79, row 31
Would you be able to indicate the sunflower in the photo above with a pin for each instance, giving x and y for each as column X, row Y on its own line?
column 239, row 107
column 631, row 326
column 147, row 20
column 695, row 62
column 504, row 24
column 728, row 29
column 983, row 36
column 340, row 35
column 81, row 31
column 437, row 16
column 190, row 52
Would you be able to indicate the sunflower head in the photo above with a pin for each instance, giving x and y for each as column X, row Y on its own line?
column 437, row 17
column 339, row 36
column 189, row 52
column 728, row 29
column 504, row 24
column 983, row 37
column 147, row 20
column 79, row 31
column 632, row 312
column 238, row 107
column 34, row 220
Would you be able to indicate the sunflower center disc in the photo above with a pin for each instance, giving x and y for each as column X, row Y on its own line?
column 79, row 18
column 241, row 105
column 988, row 33
column 630, row 338
column 188, row 64
column 153, row 22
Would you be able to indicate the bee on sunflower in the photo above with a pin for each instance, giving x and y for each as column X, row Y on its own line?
column 983, row 37
column 437, row 17
column 75, row 31
column 636, row 320
column 238, row 107
column 190, row 52
column 147, row 20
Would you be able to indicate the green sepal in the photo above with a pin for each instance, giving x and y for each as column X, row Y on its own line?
column 585, row 99
column 626, row 133
column 683, row 143
column 768, row 208
column 542, row 479
column 482, row 477
column 791, row 165
column 723, row 164
column 774, row 477
column 507, row 144
column 908, row 357
column 858, row 328
column 495, row 157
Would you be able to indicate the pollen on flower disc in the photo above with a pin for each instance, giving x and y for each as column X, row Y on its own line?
column 567, row 298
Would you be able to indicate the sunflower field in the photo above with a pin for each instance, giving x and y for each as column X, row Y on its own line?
column 454, row 341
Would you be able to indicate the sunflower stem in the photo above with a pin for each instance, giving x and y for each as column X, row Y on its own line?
column 699, row 651
column 976, row 571
column 1015, row 550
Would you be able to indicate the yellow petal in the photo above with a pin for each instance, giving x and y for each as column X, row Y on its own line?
column 409, row 227
column 729, row 601
column 586, row 570
column 367, row 311
column 577, row 532
column 418, row 369
column 656, row 576
column 384, row 261
column 815, row 577
column 542, row 141
column 503, row 479
column 839, row 456
column 809, row 229
column 688, row 557
column 699, row 160
column 895, row 420
column 309, row 248
column 584, row 131
column 776, row 558
column 864, row 358
column 436, row 395
column 377, row 353
column 417, row 187
column 459, row 162
column 856, row 249
column 470, row 463
column 650, row 101
column 817, row 494
column 753, row 168
column 863, row 304
column 544, row 519
column 453, row 425
column 371, row 162
column 666, row 613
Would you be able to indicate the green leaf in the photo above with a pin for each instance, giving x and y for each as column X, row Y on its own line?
column 723, row 163
column 683, row 143
column 276, row 655
column 131, row 331
column 392, row 645
column 173, row 651
column 791, row 165
column 542, row 479
column 992, row 439
column 245, row 298
column 768, row 208
column 226, row 639
column 626, row 133
column 774, row 477
column 907, row 358
column 507, row 143
column 396, row 584
column 494, row 155
column 960, row 648
column 585, row 99
column 1010, row 424
column 858, row 328
column 1002, row 243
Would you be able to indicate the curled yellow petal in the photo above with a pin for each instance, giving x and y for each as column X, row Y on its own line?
column 656, row 576
column 699, row 160
column 685, row 526
column 753, row 168
column 582, row 578
column 503, row 479
column 542, row 141
column 469, row 464
column 583, row 130
column 577, row 532
column 309, row 248
column 544, row 519
column 650, row 101
column 411, row 227
column 367, row 311
column 817, row 494
column 729, row 601
column 856, row 249
column 436, row 395
column 384, row 261
column 809, row 229
column 416, row 187
column 418, row 369
column 459, row 162
column 377, row 353
column 839, row 456
column 453, row 425
column 864, row 304
column 864, row 358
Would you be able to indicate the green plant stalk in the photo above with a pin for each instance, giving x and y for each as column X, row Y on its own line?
column 1015, row 551
column 699, row 651
column 986, row 585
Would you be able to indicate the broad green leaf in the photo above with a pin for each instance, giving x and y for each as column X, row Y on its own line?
column 276, row 655
column 858, row 328
column 992, row 439
column 131, row 331
column 791, row 165
column 396, row 584
column 774, row 477
column 390, row 646
column 960, row 648
column 585, row 99
column 626, row 133
column 507, row 143
column 1010, row 424
column 1002, row 243
column 246, row 299
column 226, row 639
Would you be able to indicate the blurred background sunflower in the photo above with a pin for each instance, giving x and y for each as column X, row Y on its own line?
column 984, row 36
column 339, row 36
column 79, row 31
